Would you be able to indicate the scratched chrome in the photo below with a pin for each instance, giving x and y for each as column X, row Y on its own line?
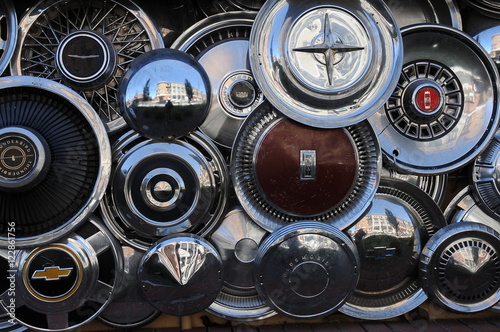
column 469, row 117
column 165, row 93
column 8, row 33
column 237, row 239
column 62, row 286
column 389, row 239
column 220, row 44
column 129, row 308
column 434, row 185
column 262, row 211
column 326, row 64
column 181, row 274
column 55, row 41
column 460, row 267
column 426, row 11
column 164, row 187
column 81, row 170
column 306, row 270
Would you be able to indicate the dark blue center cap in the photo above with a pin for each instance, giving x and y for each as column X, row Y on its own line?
column 52, row 273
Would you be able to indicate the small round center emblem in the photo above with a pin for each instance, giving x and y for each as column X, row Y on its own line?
column 427, row 99
column 52, row 273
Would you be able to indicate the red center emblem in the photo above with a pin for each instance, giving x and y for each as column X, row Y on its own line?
column 428, row 99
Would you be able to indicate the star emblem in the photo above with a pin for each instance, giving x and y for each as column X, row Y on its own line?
column 329, row 48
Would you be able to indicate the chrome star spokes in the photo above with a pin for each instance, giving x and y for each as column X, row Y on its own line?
column 332, row 48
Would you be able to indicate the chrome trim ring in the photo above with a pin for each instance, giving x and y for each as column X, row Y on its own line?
column 220, row 44
column 65, row 284
column 434, row 185
column 408, row 13
column 164, row 187
column 237, row 239
column 273, row 214
column 437, row 44
column 118, row 30
column 8, row 33
column 70, row 190
column 460, row 267
column 326, row 64
column 486, row 7
column 181, row 274
column 465, row 207
column 389, row 239
column 306, row 270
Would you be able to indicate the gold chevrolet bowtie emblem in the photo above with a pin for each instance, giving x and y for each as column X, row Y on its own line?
column 52, row 273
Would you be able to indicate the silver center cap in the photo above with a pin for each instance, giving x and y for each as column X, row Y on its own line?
column 328, row 49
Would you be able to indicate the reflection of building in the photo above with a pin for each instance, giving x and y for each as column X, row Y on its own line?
column 173, row 92
column 384, row 224
column 495, row 46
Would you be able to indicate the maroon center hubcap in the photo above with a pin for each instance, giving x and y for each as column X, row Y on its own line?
column 305, row 171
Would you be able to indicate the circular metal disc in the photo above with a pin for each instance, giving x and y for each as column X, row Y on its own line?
column 181, row 275
column 486, row 31
column 433, row 185
column 164, row 187
column 220, row 44
column 71, row 43
column 306, row 270
column 447, row 80
column 55, row 160
column 8, row 33
column 326, row 64
column 284, row 171
column 129, row 308
column 460, row 267
column 389, row 239
column 486, row 177
column 237, row 239
column 64, row 285
column 165, row 93
column 425, row 11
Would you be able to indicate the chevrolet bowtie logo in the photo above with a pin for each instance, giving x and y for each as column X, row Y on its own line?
column 52, row 273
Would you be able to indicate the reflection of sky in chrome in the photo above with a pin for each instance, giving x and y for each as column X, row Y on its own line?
column 471, row 258
column 484, row 37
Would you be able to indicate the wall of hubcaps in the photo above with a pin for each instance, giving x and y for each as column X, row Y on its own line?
column 253, row 161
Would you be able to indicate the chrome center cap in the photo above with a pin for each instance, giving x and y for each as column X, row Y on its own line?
column 337, row 43
column 86, row 59
column 162, row 188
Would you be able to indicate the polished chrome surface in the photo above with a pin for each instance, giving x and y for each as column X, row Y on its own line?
column 65, row 284
column 129, row 308
column 306, row 270
column 434, row 185
column 487, row 7
column 164, row 187
column 86, row 45
column 237, row 239
column 220, row 44
column 464, row 127
column 181, row 274
column 252, row 164
column 389, row 239
column 486, row 32
column 24, row 158
column 77, row 105
column 326, row 64
column 426, row 11
column 165, row 93
column 460, row 267
column 486, row 176
column 8, row 33
column 465, row 207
